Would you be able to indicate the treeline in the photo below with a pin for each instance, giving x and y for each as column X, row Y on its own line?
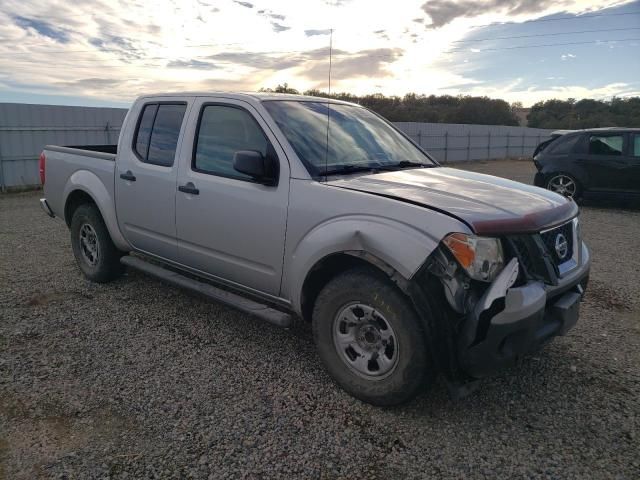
column 422, row 108
column 554, row 114
column 572, row 114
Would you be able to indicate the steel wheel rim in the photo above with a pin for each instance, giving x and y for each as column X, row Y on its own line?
column 89, row 244
column 365, row 341
column 563, row 185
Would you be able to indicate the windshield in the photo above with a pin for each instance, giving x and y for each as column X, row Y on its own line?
column 358, row 139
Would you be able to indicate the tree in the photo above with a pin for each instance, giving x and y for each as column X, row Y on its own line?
column 553, row 114
column 586, row 113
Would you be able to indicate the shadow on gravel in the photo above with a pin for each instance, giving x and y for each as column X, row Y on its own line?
column 632, row 204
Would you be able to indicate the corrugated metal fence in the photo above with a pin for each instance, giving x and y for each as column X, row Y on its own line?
column 450, row 142
column 26, row 129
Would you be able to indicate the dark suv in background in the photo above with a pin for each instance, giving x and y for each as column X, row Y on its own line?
column 585, row 162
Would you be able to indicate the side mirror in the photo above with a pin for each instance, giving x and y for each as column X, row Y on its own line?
column 262, row 169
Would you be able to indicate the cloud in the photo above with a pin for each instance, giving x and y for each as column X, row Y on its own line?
column 279, row 28
column 42, row 28
column 120, row 46
column 254, row 60
column 90, row 83
column 270, row 14
column 345, row 65
column 382, row 34
column 566, row 56
column 195, row 64
column 109, row 50
column 443, row 12
column 312, row 32
column 314, row 64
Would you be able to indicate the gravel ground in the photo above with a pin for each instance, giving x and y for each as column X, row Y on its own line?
column 137, row 379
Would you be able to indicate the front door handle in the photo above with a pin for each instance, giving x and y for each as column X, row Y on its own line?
column 128, row 176
column 189, row 188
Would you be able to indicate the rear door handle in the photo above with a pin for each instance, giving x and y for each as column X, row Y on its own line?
column 128, row 176
column 189, row 188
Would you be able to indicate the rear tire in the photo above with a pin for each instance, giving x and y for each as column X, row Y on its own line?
column 95, row 253
column 564, row 184
column 370, row 338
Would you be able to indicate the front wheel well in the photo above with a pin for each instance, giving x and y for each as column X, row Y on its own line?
column 74, row 200
column 335, row 264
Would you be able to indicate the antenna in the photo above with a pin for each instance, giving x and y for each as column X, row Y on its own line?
column 326, row 153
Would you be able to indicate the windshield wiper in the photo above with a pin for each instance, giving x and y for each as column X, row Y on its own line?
column 407, row 164
column 350, row 168
column 404, row 164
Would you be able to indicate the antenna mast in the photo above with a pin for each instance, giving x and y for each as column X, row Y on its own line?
column 326, row 153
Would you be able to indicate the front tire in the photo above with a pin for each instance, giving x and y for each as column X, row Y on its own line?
column 95, row 253
column 370, row 338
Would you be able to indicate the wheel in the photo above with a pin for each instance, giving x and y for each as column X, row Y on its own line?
column 370, row 338
column 564, row 184
column 95, row 253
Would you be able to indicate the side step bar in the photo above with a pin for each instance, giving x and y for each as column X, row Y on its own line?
column 243, row 304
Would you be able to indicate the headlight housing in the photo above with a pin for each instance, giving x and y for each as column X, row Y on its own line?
column 481, row 257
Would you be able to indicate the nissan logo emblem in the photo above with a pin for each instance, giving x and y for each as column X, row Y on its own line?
column 562, row 246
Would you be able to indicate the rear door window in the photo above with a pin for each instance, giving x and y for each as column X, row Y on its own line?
column 606, row 144
column 635, row 145
column 141, row 144
column 157, row 136
column 543, row 145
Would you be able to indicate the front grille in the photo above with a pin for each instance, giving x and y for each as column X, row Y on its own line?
column 558, row 236
column 537, row 254
column 525, row 256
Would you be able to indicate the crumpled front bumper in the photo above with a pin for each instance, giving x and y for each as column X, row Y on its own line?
column 523, row 319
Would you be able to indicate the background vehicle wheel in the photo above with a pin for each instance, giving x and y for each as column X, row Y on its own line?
column 95, row 253
column 564, row 184
column 370, row 338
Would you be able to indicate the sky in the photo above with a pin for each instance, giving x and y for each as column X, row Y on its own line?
column 107, row 52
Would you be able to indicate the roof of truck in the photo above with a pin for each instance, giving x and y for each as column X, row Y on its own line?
column 260, row 96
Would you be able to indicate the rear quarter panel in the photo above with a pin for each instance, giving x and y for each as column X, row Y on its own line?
column 68, row 172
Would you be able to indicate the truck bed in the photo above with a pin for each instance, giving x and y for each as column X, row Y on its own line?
column 107, row 152
column 81, row 167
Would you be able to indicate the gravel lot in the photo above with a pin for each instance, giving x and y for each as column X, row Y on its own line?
column 137, row 379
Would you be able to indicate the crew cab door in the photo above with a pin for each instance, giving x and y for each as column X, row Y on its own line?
column 228, row 225
column 145, row 179
column 606, row 164
column 634, row 162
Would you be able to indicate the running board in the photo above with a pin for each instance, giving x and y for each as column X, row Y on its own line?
column 243, row 304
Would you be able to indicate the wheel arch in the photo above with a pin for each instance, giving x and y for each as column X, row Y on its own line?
column 74, row 200
column 332, row 265
column 86, row 187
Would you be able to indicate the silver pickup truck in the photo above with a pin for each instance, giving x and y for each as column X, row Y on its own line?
column 298, row 207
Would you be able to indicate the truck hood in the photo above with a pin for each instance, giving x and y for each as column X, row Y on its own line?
column 489, row 205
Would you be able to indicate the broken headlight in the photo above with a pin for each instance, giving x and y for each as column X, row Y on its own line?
column 481, row 257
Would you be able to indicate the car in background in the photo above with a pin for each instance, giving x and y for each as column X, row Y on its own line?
column 597, row 161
